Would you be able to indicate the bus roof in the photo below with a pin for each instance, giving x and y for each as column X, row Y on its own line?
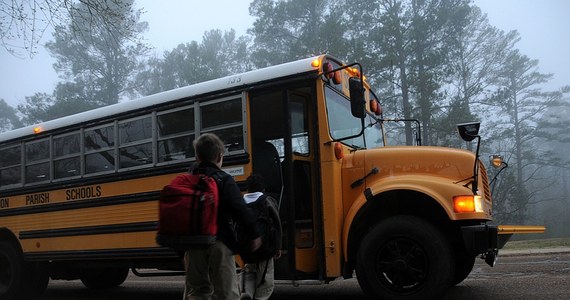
column 232, row 81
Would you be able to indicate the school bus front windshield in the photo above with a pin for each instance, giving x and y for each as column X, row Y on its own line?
column 342, row 124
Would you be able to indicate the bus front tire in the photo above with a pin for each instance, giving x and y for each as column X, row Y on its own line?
column 404, row 257
column 463, row 266
column 104, row 278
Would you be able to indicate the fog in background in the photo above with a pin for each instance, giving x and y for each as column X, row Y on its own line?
column 543, row 26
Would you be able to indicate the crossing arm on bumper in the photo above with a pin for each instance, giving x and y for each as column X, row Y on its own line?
column 506, row 231
column 486, row 240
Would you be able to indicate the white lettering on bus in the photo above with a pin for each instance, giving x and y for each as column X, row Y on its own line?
column 4, row 203
column 41, row 198
column 234, row 80
column 83, row 193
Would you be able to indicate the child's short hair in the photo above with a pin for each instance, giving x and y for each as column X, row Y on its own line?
column 255, row 183
column 208, row 147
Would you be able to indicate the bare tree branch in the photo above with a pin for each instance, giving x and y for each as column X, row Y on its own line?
column 23, row 23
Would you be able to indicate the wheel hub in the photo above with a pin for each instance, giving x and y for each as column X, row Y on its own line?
column 401, row 265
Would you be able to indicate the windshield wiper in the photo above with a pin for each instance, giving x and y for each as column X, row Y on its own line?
column 356, row 147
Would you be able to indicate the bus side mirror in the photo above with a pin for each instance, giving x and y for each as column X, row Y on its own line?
column 356, row 89
column 468, row 131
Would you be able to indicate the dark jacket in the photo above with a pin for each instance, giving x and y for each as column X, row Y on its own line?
column 232, row 207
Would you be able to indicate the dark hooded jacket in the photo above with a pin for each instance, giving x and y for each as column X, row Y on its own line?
column 232, row 208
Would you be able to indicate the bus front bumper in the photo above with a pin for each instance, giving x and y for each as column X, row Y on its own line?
column 488, row 239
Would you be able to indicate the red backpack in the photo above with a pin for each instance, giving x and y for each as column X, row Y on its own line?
column 188, row 212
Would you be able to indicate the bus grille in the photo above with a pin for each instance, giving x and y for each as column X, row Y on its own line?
column 484, row 183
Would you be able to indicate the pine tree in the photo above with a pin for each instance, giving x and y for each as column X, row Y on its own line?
column 98, row 62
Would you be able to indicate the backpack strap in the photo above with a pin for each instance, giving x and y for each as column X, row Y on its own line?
column 214, row 173
column 217, row 176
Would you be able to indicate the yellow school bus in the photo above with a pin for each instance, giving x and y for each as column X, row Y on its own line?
column 79, row 194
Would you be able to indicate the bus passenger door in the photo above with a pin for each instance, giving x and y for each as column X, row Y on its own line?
column 284, row 153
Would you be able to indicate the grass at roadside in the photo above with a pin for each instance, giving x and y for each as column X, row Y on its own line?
column 538, row 244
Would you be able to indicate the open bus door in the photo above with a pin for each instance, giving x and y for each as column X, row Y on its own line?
column 284, row 153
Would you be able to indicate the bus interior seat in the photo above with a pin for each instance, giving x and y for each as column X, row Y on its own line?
column 267, row 164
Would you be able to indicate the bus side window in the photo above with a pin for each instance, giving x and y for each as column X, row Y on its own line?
column 299, row 126
column 175, row 135
column 225, row 119
column 99, row 149
column 135, row 142
column 10, row 166
column 66, row 161
column 37, row 161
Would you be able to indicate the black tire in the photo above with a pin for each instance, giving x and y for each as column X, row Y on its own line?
column 404, row 257
column 40, row 279
column 104, row 278
column 463, row 266
column 19, row 279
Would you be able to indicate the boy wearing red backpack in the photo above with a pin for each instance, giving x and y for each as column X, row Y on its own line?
column 212, row 271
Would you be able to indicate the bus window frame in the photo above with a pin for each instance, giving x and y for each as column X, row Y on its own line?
column 160, row 139
column 113, row 147
column 19, row 164
column 41, row 161
column 79, row 154
column 130, row 144
column 112, row 126
column 239, row 96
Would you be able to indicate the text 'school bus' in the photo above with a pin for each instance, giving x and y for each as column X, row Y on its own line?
column 78, row 195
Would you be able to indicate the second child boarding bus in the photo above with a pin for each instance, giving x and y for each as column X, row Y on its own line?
column 79, row 194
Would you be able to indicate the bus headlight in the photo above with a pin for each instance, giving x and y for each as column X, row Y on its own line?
column 467, row 204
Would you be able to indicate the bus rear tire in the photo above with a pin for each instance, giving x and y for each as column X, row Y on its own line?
column 404, row 257
column 104, row 278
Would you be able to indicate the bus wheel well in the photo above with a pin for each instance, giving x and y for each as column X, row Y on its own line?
column 385, row 205
column 7, row 235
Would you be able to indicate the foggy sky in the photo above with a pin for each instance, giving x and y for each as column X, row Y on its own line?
column 543, row 26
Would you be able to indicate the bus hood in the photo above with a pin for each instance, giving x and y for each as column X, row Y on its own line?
column 442, row 173
column 454, row 164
